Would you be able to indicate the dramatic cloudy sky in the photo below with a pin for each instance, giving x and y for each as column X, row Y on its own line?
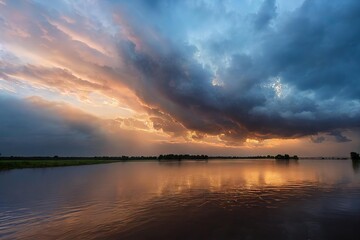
column 244, row 77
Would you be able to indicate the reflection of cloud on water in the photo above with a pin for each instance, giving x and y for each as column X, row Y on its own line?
column 215, row 177
column 121, row 197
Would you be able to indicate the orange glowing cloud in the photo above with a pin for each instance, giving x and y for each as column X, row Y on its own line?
column 152, row 78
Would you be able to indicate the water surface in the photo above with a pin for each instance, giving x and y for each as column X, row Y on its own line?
column 217, row 199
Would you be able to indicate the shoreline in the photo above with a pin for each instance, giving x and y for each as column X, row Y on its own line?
column 47, row 163
column 9, row 163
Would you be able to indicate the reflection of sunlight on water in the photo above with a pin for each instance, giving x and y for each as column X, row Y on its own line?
column 87, row 202
column 219, row 178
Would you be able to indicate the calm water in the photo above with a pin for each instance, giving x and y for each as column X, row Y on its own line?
column 242, row 199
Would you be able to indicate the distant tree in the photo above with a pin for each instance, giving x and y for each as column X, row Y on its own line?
column 286, row 157
column 355, row 156
column 181, row 157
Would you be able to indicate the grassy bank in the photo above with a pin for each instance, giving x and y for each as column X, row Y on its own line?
column 43, row 163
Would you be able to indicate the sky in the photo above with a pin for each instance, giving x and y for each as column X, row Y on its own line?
column 149, row 77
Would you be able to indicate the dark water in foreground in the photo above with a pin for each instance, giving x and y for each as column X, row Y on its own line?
column 242, row 199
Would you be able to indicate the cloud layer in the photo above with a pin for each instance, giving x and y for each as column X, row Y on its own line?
column 206, row 71
column 286, row 75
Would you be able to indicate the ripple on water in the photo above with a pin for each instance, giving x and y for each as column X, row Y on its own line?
column 131, row 199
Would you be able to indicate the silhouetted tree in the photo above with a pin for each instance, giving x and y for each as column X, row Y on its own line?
column 286, row 157
column 355, row 156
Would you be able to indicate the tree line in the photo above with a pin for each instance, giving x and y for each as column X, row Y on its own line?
column 355, row 156
column 160, row 157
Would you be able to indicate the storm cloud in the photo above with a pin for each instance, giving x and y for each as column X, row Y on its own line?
column 236, row 70
column 36, row 126
column 298, row 77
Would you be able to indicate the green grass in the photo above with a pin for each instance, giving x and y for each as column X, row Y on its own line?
column 13, row 164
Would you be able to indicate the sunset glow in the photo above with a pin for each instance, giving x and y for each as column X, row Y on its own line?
column 241, row 78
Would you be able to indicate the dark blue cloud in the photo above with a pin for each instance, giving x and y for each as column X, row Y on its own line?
column 266, row 13
column 339, row 137
column 295, row 78
column 316, row 49
column 37, row 127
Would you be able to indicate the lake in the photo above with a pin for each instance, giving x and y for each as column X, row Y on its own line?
column 215, row 199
